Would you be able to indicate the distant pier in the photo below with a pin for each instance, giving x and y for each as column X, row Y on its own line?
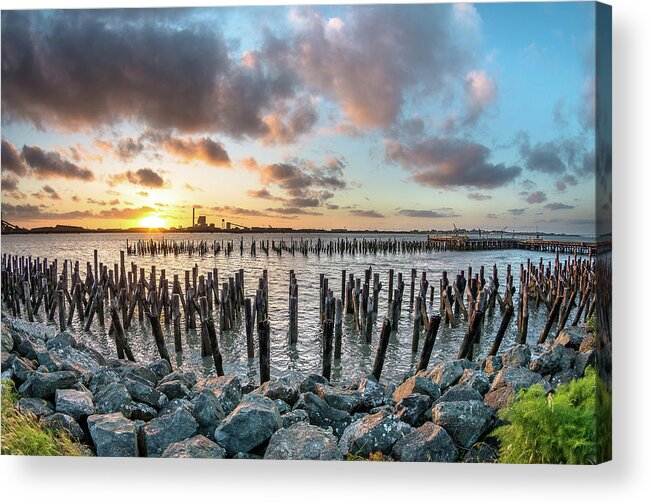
column 465, row 243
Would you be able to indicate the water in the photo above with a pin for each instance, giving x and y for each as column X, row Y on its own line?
column 357, row 355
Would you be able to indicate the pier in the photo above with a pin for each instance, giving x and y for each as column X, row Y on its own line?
column 468, row 244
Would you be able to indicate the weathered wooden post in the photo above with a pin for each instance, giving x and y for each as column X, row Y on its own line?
column 383, row 344
column 61, row 308
column 428, row 344
column 338, row 327
column 121, row 343
column 328, row 327
column 265, row 351
column 506, row 318
column 248, row 323
column 417, row 323
column 176, row 318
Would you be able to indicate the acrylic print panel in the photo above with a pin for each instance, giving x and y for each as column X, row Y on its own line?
column 327, row 232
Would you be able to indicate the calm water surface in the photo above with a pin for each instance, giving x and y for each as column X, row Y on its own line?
column 305, row 357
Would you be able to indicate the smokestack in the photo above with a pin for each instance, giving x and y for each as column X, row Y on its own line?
column 192, row 216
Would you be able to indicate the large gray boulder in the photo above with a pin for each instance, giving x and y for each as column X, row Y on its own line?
column 227, row 390
column 446, row 374
column 460, row 392
column 464, row 421
column 500, row 398
column 140, row 411
column 417, row 385
column 160, row 367
column 412, row 408
column 322, row 414
column 207, row 409
column 517, row 378
column 174, row 389
column 75, row 403
column 372, row 433
column 552, row 361
column 250, row 424
column 519, row 355
column 140, row 391
column 22, row 368
column 112, row 398
column 342, row 399
column 164, row 430
column 195, row 447
column 571, row 337
column 44, row 385
column 295, row 416
column 113, row 435
column 35, row 406
column 62, row 423
column 134, row 371
column 492, row 365
column 7, row 340
column 302, row 441
column 477, row 380
column 428, row 443
column 372, row 393
column 309, row 383
column 278, row 388
column 583, row 360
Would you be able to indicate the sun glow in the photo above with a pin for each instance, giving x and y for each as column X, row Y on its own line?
column 153, row 221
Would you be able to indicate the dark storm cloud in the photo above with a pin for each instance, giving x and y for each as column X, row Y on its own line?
column 429, row 214
column 145, row 177
column 373, row 214
column 11, row 159
column 450, row 163
column 79, row 69
column 50, row 164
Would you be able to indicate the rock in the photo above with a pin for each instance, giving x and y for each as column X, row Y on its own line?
column 583, row 360
column 140, row 411
column 24, row 347
column 411, row 408
column 492, row 366
column 112, row 398
column 428, row 443
column 47, row 359
column 571, row 337
column 417, row 385
column 499, row 398
column 310, row 382
column 7, row 361
column 518, row 378
column 464, row 421
column 322, row 414
column 62, row 340
column 302, row 441
column 188, row 378
column 34, row 331
column 102, row 377
column 44, row 385
column 160, row 368
column 174, row 389
column 113, row 435
column 588, row 343
column 282, row 406
column 196, row 447
column 35, row 406
column 141, row 392
column 227, row 390
column 74, row 403
column 246, row 456
column 78, row 361
column 519, row 355
column 478, row 380
column 459, row 392
column 562, row 378
column 7, row 341
column 293, row 417
column 446, row 374
column 133, row 371
column 372, row 433
column 62, row 423
column 207, row 409
column 176, row 404
column 166, row 429
column 278, row 388
column 372, row 393
column 552, row 361
column 343, row 399
column 250, row 424
column 22, row 368
column 481, row 453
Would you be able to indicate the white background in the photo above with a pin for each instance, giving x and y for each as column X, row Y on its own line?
column 626, row 479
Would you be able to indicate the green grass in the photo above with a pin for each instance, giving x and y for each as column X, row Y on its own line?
column 559, row 428
column 22, row 434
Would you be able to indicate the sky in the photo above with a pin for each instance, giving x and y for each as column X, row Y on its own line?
column 388, row 117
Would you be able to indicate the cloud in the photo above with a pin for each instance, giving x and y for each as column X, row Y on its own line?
column 204, row 149
column 47, row 192
column 263, row 193
column 480, row 92
column 449, row 163
column 553, row 157
column 11, row 159
column 479, row 196
column 50, row 164
column 126, row 212
column 558, row 206
column 192, row 188
column 429, row 214
column 516, row 211
column 9, row 183
column 145, row 177
column 292, row 211
column 372, row 214
column 491, row 215
column 536, row 197
column 588, row 105
column 128, row 148
column 26, row 212
column 231, row 210
column 286, row 124
column 559, row 118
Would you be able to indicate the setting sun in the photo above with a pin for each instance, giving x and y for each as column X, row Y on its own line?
column 153, row 221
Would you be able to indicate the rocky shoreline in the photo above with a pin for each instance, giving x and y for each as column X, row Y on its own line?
column 119, row 408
